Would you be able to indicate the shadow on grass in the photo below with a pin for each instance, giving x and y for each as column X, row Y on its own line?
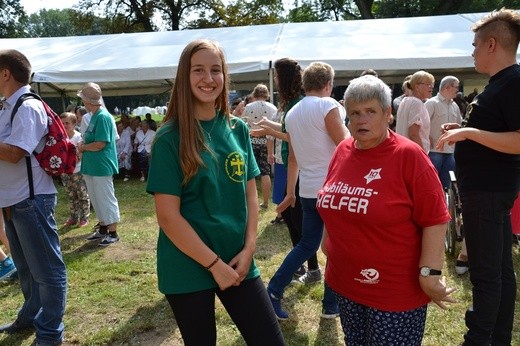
column 16, row 339
column 72, row 252
column 150, row 325
column 273, row 240
column 327, row 333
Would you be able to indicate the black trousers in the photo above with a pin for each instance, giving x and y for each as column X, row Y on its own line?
column 248, row 306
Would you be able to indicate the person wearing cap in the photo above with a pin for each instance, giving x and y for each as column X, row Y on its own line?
column 99, row 164
column 29, row 222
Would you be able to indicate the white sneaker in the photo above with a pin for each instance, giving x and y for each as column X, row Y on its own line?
column 310, row 277
column 142, row 179
column 109, row 240
column 126, row 179
column 461, row 267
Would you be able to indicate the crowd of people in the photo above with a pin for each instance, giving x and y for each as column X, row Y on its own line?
column 372, row 197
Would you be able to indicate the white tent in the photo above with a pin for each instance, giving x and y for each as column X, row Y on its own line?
column 140, row 63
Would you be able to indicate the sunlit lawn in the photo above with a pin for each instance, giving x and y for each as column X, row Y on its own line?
column 113, row 298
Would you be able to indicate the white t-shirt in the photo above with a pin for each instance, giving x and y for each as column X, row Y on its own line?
column 76, row 138
column 26, row 132
column 310, row 140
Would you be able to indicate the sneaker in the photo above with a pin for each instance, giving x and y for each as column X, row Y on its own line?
column 83, row 223
column 300, row 272
column 109, row 240
column 13, row 276
column 461, row 267
column 126, row 179
column 7, row 269
column 142, row 179
column 69, row 222
column 330, row 313
column 312, row 276
column 277, row 220
column 96, row 235
column 277, row 307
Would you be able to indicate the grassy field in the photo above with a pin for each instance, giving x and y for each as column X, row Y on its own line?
column 113, row 297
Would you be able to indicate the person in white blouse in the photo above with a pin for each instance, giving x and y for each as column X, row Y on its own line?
column 143, row 146
column 124, row 151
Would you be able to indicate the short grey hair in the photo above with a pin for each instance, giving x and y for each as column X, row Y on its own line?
column 367, row 88
column 448, row 81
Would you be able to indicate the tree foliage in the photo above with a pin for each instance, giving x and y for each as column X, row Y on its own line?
column 411, row 8
column 12, row 19
column 238, row 13
column 93, row 17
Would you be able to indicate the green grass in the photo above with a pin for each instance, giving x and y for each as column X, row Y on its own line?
column 113, row 298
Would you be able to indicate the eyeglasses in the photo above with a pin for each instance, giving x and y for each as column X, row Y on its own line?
column 428, row 84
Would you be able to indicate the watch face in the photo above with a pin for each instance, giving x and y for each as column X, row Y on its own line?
column 425, row 271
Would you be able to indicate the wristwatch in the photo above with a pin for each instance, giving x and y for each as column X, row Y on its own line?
column 427, row 271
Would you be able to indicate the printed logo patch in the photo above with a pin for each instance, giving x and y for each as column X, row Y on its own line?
column 370, row 275
column 235, row 167
column 373, row 175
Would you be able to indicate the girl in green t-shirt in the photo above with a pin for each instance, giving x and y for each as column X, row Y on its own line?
column 202, row 175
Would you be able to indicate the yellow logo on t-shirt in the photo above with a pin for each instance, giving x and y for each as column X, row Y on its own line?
column 235, row 167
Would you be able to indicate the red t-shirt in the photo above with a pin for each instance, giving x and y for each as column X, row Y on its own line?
column 374, row 204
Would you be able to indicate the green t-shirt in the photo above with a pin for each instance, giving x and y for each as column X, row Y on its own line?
column 213, row 201
column 104, row 162
column 285, row 145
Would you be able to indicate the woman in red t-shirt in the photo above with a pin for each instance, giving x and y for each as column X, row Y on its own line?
column 385, row 214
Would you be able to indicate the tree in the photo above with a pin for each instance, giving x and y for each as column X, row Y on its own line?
column 410, row 8
column 132, row 15
column 141, row 13
column 239, row 13
column 50, row 23
column 12, row 19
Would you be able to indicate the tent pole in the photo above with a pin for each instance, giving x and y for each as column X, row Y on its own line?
column 271, row 81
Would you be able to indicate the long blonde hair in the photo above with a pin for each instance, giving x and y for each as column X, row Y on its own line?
column 181, row 108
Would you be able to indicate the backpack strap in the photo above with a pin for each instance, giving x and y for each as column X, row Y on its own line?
column 17, row 105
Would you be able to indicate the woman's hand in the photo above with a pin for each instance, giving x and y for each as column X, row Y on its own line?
column 241, row 263
column 288, row 201
column 262, row 131
column 435, row 288
column 452, row 136
column 224, row 275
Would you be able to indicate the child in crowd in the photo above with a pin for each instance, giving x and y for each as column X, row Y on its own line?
column 74, row 183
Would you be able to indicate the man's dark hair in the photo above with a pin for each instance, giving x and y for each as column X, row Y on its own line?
column 17, row 64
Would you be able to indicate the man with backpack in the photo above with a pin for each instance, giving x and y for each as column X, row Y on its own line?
column 29, row 215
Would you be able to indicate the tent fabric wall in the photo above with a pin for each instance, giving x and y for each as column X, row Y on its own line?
column 141, row 63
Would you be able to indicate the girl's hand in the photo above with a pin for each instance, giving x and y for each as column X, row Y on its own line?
column 241, row 263
column 224, row 275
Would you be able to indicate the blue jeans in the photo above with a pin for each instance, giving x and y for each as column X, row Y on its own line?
column 312, row 231
column 487, row 225
column 35, row 248
column 443, row 163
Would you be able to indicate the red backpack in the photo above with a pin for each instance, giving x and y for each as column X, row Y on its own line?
column 59, row 153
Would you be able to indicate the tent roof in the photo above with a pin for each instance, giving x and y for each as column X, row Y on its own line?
column 139, row 63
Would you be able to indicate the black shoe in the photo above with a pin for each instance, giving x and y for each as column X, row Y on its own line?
column 15, row 327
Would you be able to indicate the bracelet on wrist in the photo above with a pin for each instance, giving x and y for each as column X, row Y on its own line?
column 213, row 263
